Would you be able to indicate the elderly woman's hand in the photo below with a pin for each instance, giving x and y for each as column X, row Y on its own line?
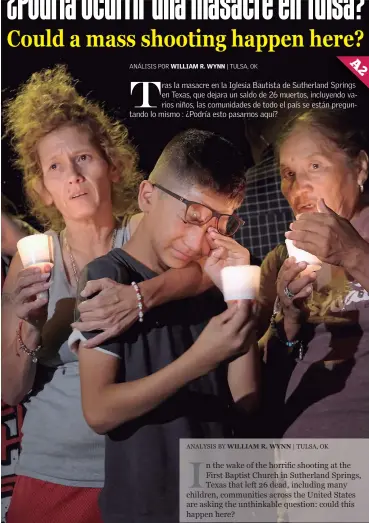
column 26, row 305
column 293, row 290
column 113, row 310
column 327, row 235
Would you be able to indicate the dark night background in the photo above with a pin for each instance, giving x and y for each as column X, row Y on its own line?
column 104, row 72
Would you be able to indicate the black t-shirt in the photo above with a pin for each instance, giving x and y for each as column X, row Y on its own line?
column 142, row 456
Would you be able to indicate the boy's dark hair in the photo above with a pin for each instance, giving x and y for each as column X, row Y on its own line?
column 196, row 157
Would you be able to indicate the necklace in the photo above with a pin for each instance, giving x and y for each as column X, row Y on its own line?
column 73, row 261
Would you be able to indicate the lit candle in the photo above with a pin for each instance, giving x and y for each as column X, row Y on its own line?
column 240, row 282
column 36, row 251
column 314, row 264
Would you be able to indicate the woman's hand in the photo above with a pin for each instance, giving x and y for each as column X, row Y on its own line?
column 294, row 308
column 227, row 335
column 224, row 251
column 26, row 305
column 327, row 235
column 112, row 311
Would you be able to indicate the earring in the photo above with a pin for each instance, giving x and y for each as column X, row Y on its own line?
column 361, row 187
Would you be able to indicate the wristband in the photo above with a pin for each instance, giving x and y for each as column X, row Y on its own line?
column 140, row 301
column 291, row 345
column 23, row 347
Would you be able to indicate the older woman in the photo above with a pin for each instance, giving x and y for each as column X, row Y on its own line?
column 80, row 177
column 317, row 349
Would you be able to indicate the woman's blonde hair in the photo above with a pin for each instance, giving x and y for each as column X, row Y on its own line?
column 47, row 101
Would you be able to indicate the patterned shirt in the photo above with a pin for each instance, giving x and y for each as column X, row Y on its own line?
column 265, row 211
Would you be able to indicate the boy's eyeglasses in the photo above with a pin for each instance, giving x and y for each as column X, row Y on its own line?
column 199, row 214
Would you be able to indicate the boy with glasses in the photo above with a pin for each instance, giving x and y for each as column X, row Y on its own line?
column 168, row 377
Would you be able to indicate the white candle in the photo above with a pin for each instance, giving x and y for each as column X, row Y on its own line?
column 36, row 251
column 314, row 264
column 240, row 282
